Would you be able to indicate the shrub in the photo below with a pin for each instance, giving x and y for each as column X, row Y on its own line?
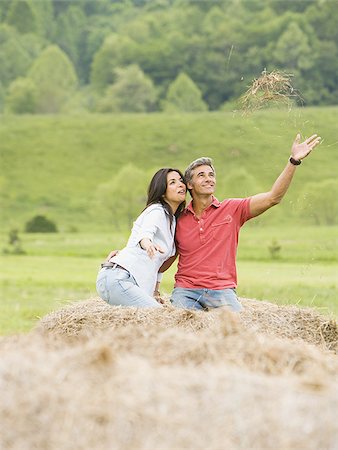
column 14, row 244
column 40, row 224
column 21, row 98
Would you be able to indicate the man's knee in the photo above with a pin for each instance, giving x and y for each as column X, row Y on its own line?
column 180, row 299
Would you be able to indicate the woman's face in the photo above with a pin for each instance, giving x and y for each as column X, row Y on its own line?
column 176, row 189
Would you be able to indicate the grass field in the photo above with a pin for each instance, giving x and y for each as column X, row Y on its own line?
column 54, row 165
column 61, row 268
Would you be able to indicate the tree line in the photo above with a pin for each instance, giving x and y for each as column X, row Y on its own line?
column 161, row 55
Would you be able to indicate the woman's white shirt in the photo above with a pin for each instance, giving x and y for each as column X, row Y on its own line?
column 153, row 223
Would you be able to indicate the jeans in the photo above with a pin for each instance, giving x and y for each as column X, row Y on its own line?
column 118, row 287
column 205, row 299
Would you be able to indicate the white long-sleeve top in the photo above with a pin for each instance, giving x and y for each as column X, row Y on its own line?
column 153, row 223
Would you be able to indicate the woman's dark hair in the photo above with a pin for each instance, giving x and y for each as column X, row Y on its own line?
column 157, row 188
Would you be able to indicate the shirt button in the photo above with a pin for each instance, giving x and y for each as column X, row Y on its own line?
column 201, row 229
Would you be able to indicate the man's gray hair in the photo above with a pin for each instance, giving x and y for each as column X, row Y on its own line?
column 204, row 161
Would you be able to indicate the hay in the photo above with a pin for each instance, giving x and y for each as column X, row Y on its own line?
column 291, row 322
column 271, row 87
column 91, row 376
column 95, row 314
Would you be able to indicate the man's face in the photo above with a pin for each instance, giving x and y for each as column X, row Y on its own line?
column 203, row 181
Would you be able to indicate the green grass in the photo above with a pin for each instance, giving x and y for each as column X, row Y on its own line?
column 312, row 284
column 61, row 268
column 54, row 164
column 32, row 286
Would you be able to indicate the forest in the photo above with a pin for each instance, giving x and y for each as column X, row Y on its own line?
column 161, row 55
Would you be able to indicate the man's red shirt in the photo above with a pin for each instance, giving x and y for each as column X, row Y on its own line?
column 207, row 246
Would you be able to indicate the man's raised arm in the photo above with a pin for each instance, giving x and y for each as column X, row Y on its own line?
column 300, row 150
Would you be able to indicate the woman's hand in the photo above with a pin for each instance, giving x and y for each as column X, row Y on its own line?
column 150, row 247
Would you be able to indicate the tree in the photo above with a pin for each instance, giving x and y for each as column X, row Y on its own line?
column 122, row 198
column 116, row 51
column 69, row 32
column 4, row 5
column 293, row 50
column 132, row 92
column 54, row 75
column 22, row 96
column 96, row 31
column 184, row 95
column 21, row 15
column 15, row 59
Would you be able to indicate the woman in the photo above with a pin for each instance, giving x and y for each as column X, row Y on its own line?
column 129, row 278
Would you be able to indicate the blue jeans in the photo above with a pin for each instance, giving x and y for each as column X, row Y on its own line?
column 118, row 287
column 205, row 299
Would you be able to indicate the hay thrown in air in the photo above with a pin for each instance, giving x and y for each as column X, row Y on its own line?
column 270, row 88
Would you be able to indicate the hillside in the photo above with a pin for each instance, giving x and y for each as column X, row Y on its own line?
column 54, row 164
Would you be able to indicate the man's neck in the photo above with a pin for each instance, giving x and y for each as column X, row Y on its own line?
column 201, row 203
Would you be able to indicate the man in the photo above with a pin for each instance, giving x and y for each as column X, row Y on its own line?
column 207, row 233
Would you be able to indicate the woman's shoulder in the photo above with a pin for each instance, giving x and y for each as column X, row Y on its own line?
column 155, row 210
column 154, row 207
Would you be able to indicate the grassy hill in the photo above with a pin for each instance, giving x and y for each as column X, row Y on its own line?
column 54, row 164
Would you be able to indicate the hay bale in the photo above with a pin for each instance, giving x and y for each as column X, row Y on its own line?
column 96, row 377
column 133, row 387
column 290, row 322
column 95, row 314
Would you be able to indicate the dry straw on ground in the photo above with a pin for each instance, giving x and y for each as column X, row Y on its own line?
column 97, row 377
column 280, row 321
column 270, row 88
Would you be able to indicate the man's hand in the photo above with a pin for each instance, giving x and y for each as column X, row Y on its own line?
column 157, row 294
column 157, row 297
column 150, row 247
column 301, row 149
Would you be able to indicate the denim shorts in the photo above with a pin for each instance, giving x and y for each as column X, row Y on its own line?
column 118, row 287
column 205, row 299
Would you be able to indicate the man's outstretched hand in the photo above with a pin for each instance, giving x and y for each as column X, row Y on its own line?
column 301, row 149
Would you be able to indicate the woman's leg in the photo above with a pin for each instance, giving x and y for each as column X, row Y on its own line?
column 118, row 287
